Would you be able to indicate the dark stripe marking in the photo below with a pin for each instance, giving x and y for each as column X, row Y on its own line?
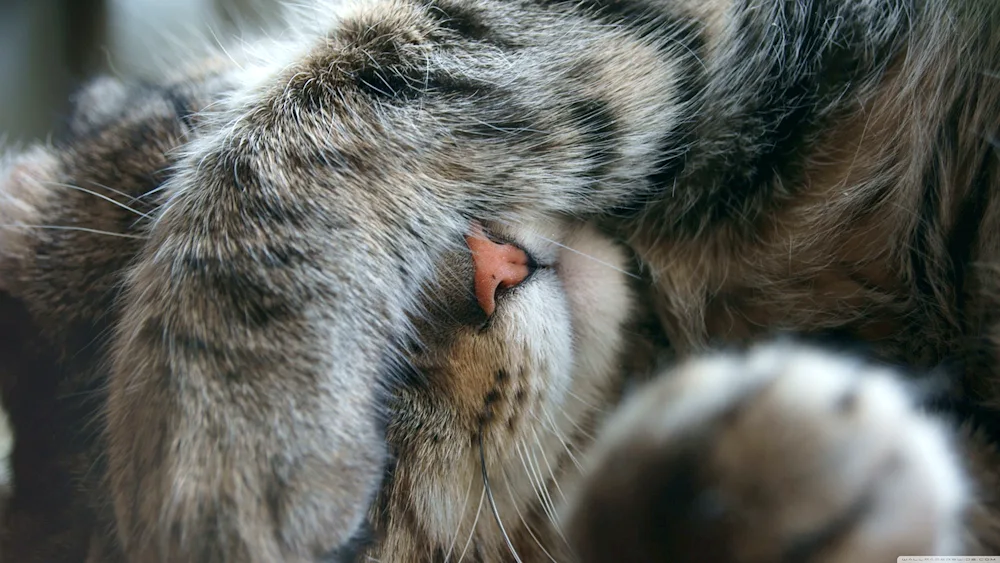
column 240, row 290
column 791, row 69
column 596, row 123
column 463, row 21
column 643, row 18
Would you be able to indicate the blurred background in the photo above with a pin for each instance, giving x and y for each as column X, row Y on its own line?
column 48, row 47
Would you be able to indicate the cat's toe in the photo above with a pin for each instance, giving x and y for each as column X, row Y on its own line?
column 785, row 453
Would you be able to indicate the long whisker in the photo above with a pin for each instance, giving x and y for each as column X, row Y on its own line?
column 552, row 514
column 585, row 402
column 102, row 196
column 528, row 473
column 552, row 473
column 153, row 191
column 110, row 189
column 553, row 428
column 592, row 258
column 69, row 228
column 575, row 251
column 461, row 518
column 520, row 516
column 535, row 477
column 489, row 495
column 475, row 522
column 583, row 432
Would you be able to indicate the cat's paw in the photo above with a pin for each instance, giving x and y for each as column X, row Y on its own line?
column 785, row 453
column 25, row 189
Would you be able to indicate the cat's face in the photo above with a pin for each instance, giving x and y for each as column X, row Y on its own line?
column 528, row 383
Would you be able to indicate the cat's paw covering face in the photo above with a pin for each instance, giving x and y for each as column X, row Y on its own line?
column 25, row 188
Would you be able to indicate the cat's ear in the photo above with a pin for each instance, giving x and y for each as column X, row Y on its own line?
column 26, row 189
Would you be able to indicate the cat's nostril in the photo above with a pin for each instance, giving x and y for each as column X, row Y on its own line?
column 497, row 266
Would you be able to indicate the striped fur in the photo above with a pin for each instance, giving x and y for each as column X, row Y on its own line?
column 277, row 218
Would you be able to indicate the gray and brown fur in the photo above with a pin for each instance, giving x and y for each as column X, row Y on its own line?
column 777, row 166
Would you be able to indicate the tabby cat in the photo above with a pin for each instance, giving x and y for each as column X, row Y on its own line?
column 370, row 292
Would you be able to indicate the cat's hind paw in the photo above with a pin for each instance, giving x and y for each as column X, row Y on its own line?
column 784, row 453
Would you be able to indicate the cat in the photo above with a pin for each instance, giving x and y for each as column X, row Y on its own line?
column 231, row 269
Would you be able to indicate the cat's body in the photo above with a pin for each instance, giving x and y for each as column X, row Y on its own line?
column 243, row 331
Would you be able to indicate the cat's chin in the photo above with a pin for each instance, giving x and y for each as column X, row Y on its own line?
column 576, row 309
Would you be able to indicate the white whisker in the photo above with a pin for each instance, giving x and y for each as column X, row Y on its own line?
column 585, row 433
column 461, row 518
column 553, row 428
column 552, row 472
column 110, row 189
column 142, row 196
column 69, row 228
column 553, row 518
column 591, row 258
column 513, row 501
column 493, row 504
column 528, row 473
column 586, row 403
column 541, row 490
column 102, row 196
column 575, row 251
column 475, row 522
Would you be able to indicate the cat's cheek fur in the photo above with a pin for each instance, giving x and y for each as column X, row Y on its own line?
column 592, row 272
column 783, row 451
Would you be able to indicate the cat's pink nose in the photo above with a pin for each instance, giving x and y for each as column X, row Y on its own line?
column 497, row 266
